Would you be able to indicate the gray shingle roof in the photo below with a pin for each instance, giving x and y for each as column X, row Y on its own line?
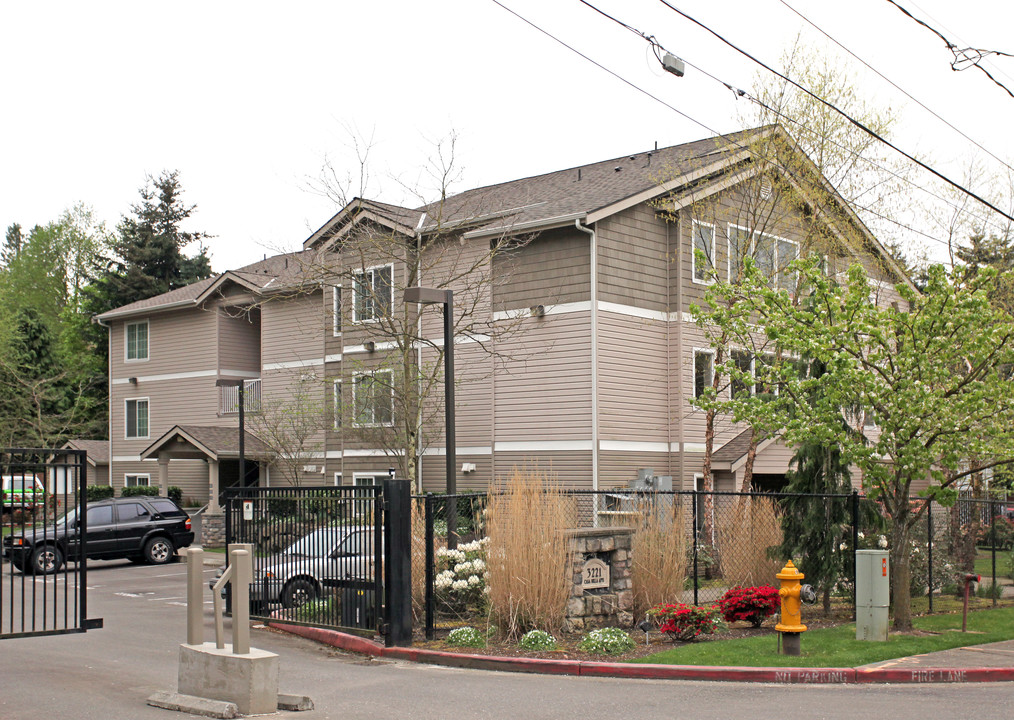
column 98, row 450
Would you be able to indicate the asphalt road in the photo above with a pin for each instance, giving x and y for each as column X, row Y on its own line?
column 107, row 674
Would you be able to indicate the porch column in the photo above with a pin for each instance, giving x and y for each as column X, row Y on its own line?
column 213, row 506
column 163, row 474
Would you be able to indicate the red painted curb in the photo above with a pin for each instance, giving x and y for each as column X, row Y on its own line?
column 934, row 675
column 788, row 675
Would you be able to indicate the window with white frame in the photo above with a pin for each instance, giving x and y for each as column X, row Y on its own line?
column 336, row 329
column 136, row 417
column 338, row 479
column 337, row 400
column 703, row 245
column 373, row 398
column 136, row 338
column 374, row 293
column 704, row 371
column 143, row 479
column 771, row 255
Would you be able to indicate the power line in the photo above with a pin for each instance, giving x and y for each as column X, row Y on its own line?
column 656, row 46
column 969, row 56
column 895, row 85
column 845, row 115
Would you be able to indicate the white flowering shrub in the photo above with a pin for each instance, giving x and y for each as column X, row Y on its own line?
column 537, row 640
column 460, row 582
column 607, row 641
column 466, row 637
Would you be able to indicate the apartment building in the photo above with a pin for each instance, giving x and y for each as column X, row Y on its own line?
column 575, row 348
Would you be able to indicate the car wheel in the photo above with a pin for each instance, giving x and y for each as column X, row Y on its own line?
column 159, row 550
column 46, row 559
column 18, row 563
column 298, row 592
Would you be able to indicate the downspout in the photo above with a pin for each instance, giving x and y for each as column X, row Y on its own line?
column 594, row 338
column 679, row 345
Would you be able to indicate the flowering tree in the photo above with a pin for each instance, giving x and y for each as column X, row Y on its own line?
column 931, row 372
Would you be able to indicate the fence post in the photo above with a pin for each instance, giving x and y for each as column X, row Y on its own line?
column 430, row 561
column 229, row 539
column 855, row 546
column 694, row 529
column 992, row 549
column 929, row 550
column 398, row 561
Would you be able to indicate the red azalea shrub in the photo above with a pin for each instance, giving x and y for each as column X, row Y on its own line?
column 751, row 604
column 687, row 622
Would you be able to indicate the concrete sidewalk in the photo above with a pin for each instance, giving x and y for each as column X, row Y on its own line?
column 993, row 662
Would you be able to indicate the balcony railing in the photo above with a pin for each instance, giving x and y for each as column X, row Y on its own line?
column 228, row 399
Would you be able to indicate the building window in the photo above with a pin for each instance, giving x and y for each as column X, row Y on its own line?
column 337, row 399
column 704, row 371
column 744, row 364
column 337, row 303
column 137, row 340
column 137, row 418
column 373, row 398
column 374, row 294
column 136, row 480
column 704, row 244
column 338, row 479
column 771, row 254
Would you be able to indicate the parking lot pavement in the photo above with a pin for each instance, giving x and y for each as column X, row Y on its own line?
column 108, row 674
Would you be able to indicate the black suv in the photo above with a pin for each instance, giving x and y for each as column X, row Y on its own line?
column 139, row 528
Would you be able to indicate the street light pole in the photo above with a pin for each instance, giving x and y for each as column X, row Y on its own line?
column 432, row 296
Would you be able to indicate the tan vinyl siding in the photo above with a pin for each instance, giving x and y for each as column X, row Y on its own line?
column 618, row 469
column 544, row 392
column 633, row 259
column 191, row 476
column 554, row 268
column 239, row 340
column 633, row 379
column 571, row 469
column 176, row 340
column 291, row 330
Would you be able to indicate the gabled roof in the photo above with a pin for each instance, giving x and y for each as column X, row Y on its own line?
column 97, row 450
column 563, row 195
column 732, row 455
column 213, row 442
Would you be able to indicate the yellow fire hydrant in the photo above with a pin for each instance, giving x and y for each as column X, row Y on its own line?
column 791, row 624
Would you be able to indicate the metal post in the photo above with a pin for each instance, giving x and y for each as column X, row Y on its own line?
column 992, row 535
column 195, row 596
column 398, row 562
column 242, row 437
column 855, row 546
column 430, row 561
column 451, row 450
column 929, row 551
column 694, row 520
column 241, row 600
column 82, row 563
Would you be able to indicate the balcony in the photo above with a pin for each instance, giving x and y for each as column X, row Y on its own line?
column 228, row 398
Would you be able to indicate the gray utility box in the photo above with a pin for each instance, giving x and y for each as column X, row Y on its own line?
column 648, row 481
column 873, row 594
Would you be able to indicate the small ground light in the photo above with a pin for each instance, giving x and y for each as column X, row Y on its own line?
column 645, row 625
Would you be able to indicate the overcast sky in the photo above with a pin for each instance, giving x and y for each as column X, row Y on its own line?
column 247, row 100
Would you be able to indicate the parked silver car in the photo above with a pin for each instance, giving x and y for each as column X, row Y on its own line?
column 325, row 558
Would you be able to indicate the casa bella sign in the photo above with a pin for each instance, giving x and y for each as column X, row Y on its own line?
column 594, row 574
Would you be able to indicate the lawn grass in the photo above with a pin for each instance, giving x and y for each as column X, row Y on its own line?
column 984, row 565
column 838, row 647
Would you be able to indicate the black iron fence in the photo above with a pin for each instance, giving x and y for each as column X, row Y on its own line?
column 43, row 572
column 318, row 553
column 713, row 541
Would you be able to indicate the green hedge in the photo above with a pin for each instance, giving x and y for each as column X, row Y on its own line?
column 134, row 490
column 99, row 492
column 176, row 494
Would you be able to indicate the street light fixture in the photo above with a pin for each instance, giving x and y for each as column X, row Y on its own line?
column 432, row 296
column 238, row 383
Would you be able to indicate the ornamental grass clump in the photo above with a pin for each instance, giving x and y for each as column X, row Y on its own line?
column 527, row 559
column 660, row 551
column 537, row 640
column 749, row 604
column 466, row 637
column 607, row 641
column 746, row 531
column 687, row 622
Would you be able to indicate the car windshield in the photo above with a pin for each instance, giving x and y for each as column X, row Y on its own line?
column 317, row 544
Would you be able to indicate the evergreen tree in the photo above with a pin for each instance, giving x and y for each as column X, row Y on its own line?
column 12, row 244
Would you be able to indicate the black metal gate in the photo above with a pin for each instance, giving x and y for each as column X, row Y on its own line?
column 318, row 553
column 43, row 572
